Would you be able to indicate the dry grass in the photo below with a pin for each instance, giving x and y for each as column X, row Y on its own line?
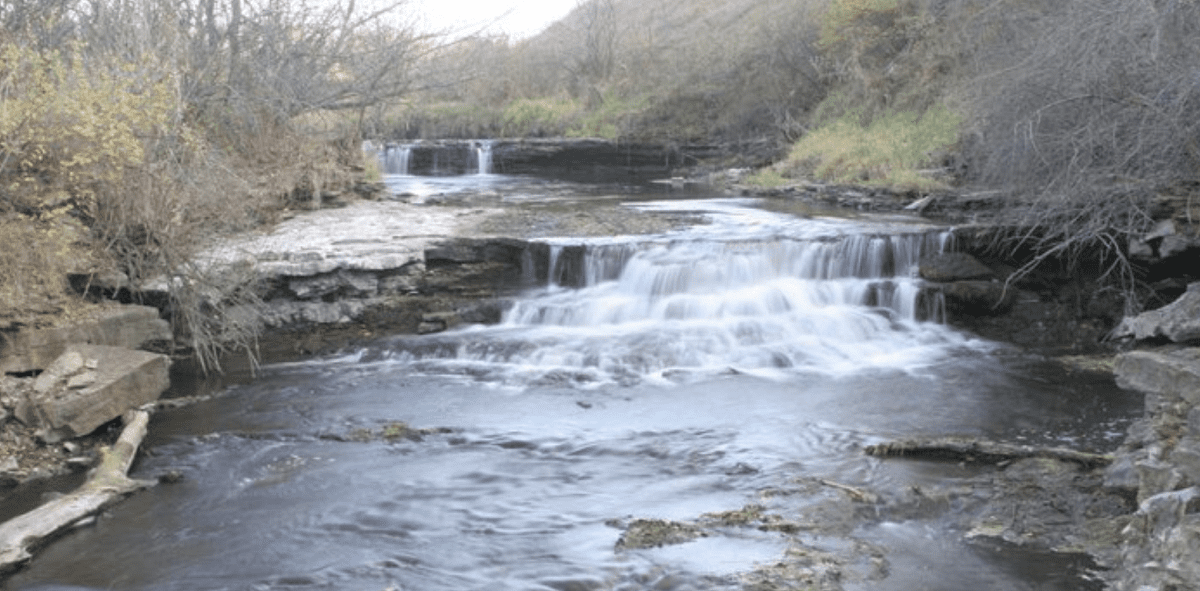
column 890, row 151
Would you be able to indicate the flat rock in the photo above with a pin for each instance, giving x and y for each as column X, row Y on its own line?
column 131, row 327
column 108, row 382
column 366, row 236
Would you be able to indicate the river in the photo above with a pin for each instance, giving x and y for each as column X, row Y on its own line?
column 742, row 363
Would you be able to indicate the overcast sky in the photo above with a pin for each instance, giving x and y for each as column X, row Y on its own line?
column 516, row 18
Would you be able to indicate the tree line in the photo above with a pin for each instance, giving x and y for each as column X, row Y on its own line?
column 133, row 131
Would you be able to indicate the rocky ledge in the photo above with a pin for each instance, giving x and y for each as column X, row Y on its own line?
column 1160, row 459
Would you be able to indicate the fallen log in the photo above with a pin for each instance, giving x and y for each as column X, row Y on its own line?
column 107, row 484
column 982, row 451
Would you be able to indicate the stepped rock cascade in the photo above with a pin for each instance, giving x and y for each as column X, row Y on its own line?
column 664, row 308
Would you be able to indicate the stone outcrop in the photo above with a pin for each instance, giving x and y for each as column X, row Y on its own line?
column 133, row 327
column 367, row 262
column 1178, row 321
column 89, row 385
column 1160, row 464
column 1167, row 240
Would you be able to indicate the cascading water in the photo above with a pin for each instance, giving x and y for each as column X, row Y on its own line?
column 483, row 156
column 396, row 159
column 669, row 308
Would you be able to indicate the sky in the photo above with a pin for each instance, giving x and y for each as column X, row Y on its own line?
column 517, row 18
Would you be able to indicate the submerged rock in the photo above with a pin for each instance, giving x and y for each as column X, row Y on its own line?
column 653, row 533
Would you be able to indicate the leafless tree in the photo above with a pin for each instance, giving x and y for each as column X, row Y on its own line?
column 594, row 61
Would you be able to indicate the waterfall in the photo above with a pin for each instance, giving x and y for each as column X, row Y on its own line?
column 829, row 297
column 713, row 280
column 483, row 157
column 553, row 274
column 396, row 159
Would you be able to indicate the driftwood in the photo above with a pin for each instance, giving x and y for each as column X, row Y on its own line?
column 108, row 483
column 857, row 494
column 982, row 451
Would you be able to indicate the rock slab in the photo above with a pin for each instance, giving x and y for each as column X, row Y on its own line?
column 131, row 327
column 1175, row 374
column 1178, row 321
column 89, row 385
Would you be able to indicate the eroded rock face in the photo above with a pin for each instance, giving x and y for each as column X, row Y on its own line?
column 954, row 266
column 1160, row 463
column 369, row 261
column 131, row 327
column 979, row 298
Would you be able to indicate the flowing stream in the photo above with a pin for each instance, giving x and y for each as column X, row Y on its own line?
column 740, row 361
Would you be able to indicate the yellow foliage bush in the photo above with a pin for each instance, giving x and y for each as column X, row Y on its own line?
column 67, row 127
column 71, row 130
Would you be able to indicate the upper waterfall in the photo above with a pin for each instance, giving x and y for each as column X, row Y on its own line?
column 483, row 155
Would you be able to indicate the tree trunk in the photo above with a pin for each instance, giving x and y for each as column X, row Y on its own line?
column 107, row 484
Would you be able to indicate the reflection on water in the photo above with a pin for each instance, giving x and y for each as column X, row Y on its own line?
column 741, row 362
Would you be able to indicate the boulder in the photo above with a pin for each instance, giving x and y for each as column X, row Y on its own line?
column 131, row 327
column 954, row 266
column 89, row 385
column 1178, row 321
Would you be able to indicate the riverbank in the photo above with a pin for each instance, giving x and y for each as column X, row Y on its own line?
column 359, row 271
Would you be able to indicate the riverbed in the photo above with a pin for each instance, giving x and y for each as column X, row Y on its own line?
column 709, row 364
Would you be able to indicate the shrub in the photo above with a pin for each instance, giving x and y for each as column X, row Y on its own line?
column 68, row 127
column 1083, row 118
